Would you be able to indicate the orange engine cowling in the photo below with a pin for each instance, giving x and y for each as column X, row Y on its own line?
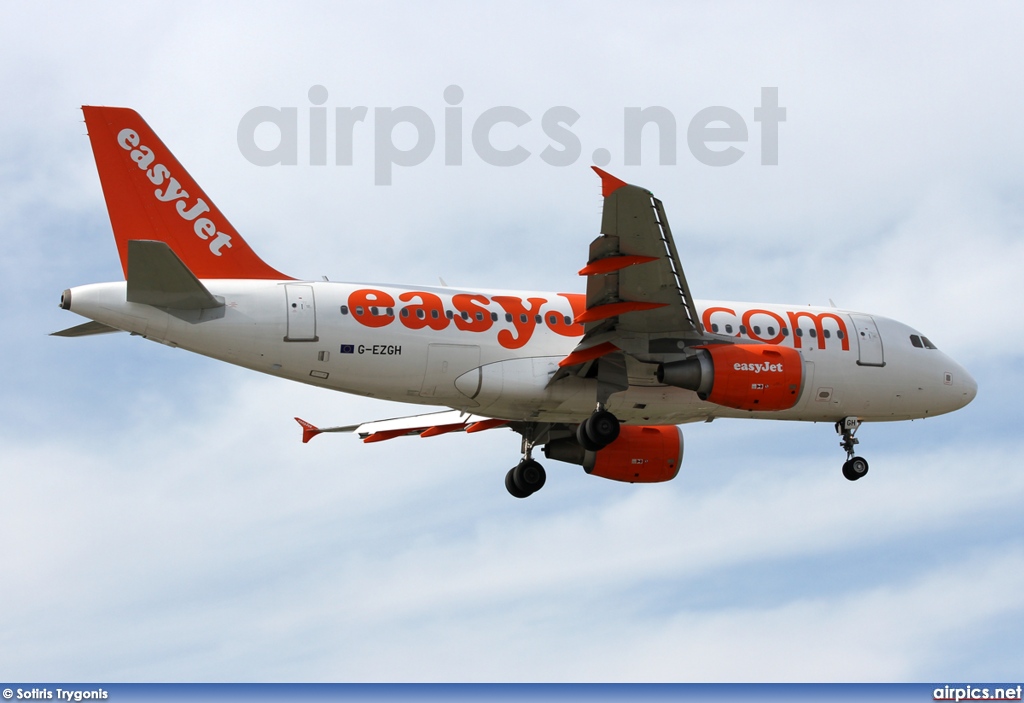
column 640, row 454
column 741, row 376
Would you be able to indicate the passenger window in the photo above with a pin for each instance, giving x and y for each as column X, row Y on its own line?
column 449, row 314
column 373, row 311
column 391, row 312
column 405, row 312
column 494, row 317
column 508, row 317
column 433, row 314
column 916, row 341
column 799, row 332
column 465, row 315
column 840, row 334
column 568, row 320
column 813, row 333
column 714, row 326
column 757, row 329
column 785, row 331
column 728, row 329
column 359, row 310
column 420, row 314
column 344, row 309
column 553, row 319
column 743, row 330
column 538, row 319
column 827, row 334
column 523, row 318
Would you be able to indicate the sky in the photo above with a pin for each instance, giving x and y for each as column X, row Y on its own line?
column 162, row 521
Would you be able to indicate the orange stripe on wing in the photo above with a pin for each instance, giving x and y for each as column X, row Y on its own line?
column 385, row 434
column 441, row 429
column 602, row 312
column 584, row 355
column 485, row 425
column 614, row 263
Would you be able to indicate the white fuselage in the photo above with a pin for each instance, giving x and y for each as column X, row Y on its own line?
column 493, row 352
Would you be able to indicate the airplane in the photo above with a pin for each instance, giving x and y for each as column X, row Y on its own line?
column 602, row 379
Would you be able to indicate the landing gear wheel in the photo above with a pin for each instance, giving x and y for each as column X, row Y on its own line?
column 510, row 486
column 584, row 439
column 600, row 430
column 529, row 476
column 855, row 468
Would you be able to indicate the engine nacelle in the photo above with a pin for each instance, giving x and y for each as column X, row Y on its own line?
column 741, row 376
column 640, row 454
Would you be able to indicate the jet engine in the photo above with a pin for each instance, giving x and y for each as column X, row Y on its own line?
column 640, row 454
column 741, row 376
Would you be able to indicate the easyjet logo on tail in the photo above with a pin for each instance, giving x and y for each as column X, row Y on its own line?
column 172, row 192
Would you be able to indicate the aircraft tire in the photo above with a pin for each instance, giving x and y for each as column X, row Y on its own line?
column 529, row 476
column 855, row 469
column 602, row 428
column 584, row 439
column 512, row 488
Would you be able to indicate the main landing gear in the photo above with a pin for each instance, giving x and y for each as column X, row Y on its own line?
column 528, row 476
column 598, row 431
column 855, row 467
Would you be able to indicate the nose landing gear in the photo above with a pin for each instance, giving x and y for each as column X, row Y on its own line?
column 855, row 467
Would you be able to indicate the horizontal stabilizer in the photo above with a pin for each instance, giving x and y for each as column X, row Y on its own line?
column 85, row 329
column 157, row 277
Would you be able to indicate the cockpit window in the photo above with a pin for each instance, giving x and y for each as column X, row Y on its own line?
column 921, row 342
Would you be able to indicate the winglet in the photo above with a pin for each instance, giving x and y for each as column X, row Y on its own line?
column 309, row 430
column 609, row 183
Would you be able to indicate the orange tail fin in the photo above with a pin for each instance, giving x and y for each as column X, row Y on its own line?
column 151, row 196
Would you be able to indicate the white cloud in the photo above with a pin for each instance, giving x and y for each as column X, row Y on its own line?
column 204, row 545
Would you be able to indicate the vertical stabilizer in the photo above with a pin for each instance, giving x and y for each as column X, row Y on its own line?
column 150, row 196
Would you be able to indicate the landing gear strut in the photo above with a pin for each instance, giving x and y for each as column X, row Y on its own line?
column 855, row 467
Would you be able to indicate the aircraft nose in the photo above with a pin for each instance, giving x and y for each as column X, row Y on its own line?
column 964, row 386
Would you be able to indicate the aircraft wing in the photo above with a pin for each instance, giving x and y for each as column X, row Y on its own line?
column 427, row 425
column 638, row 301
